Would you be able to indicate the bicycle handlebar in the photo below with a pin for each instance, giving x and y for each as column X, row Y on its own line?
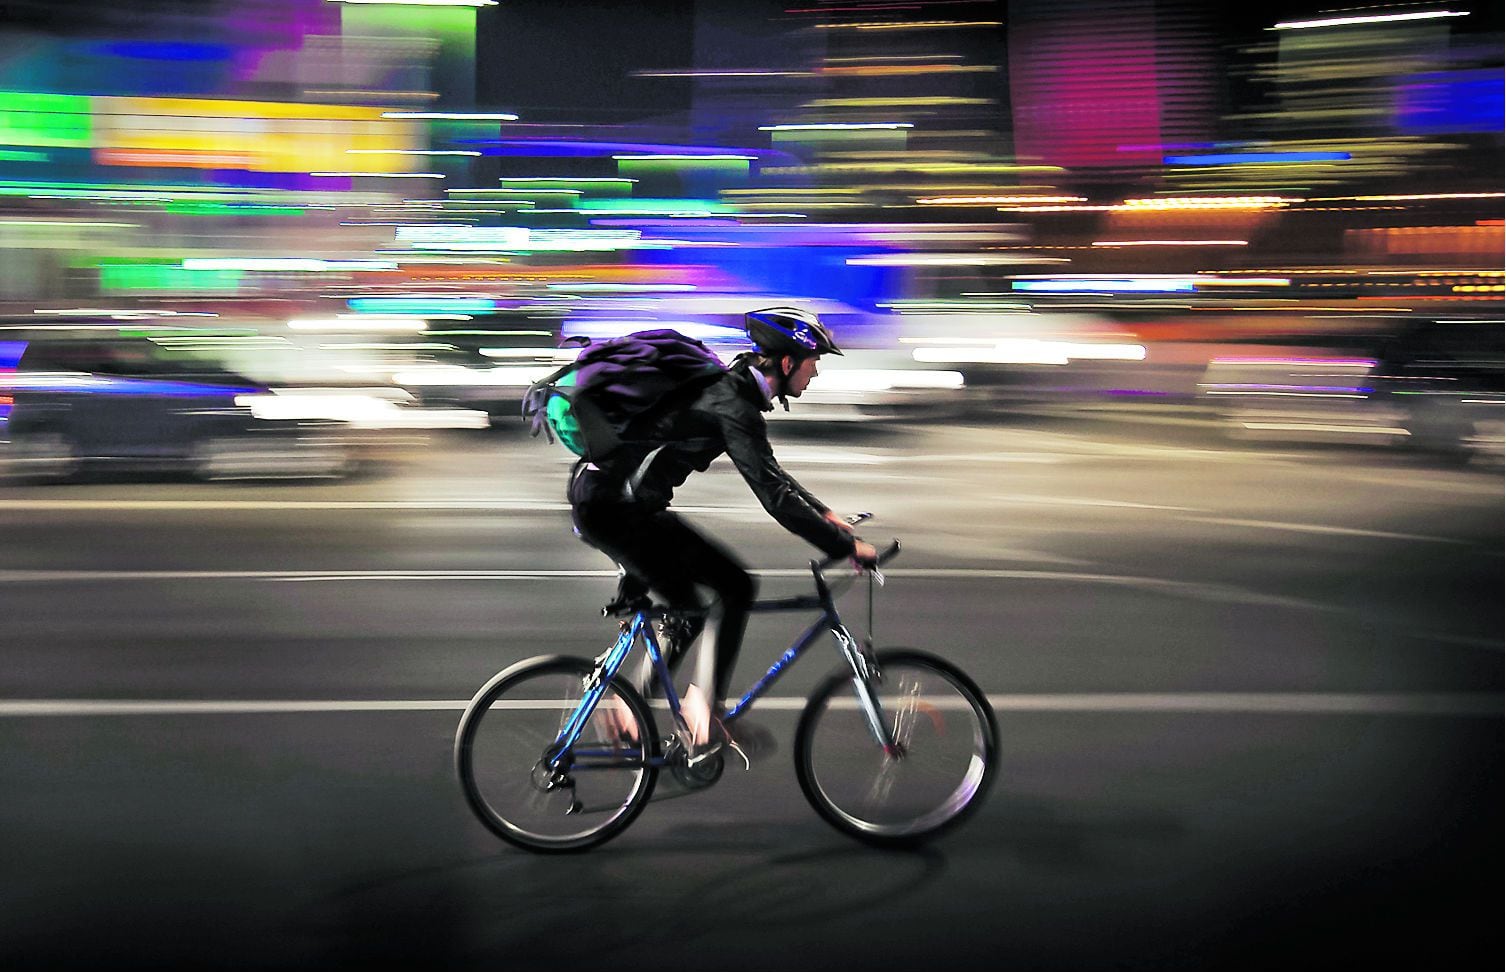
column 885, row 555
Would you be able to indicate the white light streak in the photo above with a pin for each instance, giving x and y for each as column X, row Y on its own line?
column 425, row 152
column 300, row 264
column 947, row 260
column 883, row 379
column 834, row 126
column 372, row 323
column 1031, row 351
column 452, row 115
column 1171, row 242
column 1367, row 19
column 378, row 175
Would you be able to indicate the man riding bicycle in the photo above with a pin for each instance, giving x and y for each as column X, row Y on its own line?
column 622, row 507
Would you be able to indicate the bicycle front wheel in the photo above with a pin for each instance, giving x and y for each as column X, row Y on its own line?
column 941, row 763
column 529, row 792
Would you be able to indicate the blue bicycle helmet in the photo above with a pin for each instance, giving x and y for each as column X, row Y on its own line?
column 778, row 331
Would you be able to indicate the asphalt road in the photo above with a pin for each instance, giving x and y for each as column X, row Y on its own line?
column 1250, row 701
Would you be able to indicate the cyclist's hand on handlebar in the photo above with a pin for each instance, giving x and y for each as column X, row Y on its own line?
column 864, row 555
column 838, row 521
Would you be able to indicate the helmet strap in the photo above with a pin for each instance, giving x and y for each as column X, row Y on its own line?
column 782, row 386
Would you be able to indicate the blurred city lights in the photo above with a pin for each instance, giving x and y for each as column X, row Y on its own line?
column 1210, row 181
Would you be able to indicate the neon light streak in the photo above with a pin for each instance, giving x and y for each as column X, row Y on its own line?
column 452, row 115
column 378, row 175
column 277, row 264
column 915, row 25
column 833, row 127
column 995, row 200
column 1171, row 243
column 1253, row 158
column 685, row 158
column 425, row 152
column 1369, row 19
column 422, row 3
column 1107, row 285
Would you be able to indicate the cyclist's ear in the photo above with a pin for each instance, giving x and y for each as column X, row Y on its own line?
column 787, row 365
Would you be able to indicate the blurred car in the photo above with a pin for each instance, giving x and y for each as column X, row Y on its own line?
column 1434, row 387
column 124, row 402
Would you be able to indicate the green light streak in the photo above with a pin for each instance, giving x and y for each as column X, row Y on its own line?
column 662, row 165
column 121, row 277
column 593, row 187
column 200, row 208
column 651, row 206
column 28, row 118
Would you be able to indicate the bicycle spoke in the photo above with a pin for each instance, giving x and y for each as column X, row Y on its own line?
column 943, row 742
column 579, row 796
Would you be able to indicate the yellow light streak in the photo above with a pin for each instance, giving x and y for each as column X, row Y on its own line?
column 896, row 70
column 916, row 102
column 1162, row 203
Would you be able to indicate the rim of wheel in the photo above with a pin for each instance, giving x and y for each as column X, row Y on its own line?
column 499, row 807
column 955, row 805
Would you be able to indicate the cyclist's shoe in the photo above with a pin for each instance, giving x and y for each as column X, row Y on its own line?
column 710, row 735
column 751, row 740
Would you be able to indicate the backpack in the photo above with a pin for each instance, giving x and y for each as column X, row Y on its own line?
column 605, row 399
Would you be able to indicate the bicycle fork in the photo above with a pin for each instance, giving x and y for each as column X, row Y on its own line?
column 864, row 674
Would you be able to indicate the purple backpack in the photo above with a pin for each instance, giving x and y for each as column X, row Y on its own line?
column 604, row 401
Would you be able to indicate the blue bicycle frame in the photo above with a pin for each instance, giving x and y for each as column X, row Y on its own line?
column 640, row 628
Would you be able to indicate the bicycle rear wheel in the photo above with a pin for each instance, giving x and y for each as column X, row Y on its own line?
column 945, row 756
column 505, row 756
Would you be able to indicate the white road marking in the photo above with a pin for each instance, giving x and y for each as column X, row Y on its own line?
column 1471, row 704
column 1200, row 590
column 1319, row 528
column 1081, row 501
column 527, row 505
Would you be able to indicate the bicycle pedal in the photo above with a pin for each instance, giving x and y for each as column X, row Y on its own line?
column 747, row 763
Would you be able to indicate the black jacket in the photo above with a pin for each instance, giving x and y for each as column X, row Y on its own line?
column 723, row 417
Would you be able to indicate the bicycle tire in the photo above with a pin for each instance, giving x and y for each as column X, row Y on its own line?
column 499, row 751
column 950, row 745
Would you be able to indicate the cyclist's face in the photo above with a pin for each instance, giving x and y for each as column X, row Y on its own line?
column 805, row 369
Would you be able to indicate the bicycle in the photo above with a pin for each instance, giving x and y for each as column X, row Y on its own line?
column 560, row 753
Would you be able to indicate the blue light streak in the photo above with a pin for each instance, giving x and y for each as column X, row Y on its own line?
column 1256, row 158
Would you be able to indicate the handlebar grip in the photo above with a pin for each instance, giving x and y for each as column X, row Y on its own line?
column 885, row 555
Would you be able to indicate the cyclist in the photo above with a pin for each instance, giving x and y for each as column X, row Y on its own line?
column 622, row 508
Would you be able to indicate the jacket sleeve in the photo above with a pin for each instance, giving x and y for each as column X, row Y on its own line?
column 747, row 439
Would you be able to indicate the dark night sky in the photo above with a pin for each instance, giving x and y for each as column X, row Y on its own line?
column 572, row 60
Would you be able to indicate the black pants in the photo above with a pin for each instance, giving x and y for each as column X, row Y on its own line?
column 660, row 550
